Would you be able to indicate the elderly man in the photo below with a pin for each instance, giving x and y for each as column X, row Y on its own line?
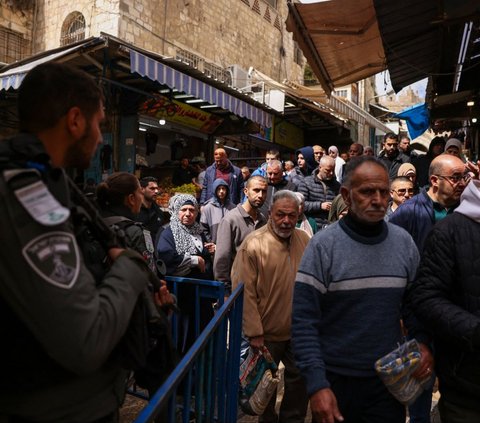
column 276, row 182
column 289, row 168
column 418, row 215
column 236, row 225
column 401, row 189
column 391, row 155
column 368, row 151
column 222, row 168
column 346, row 313
column 266, row 263
column 355, row 150
column 445, row 299
column 319, row 190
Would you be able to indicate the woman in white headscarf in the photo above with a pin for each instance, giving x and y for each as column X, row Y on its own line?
column 185, row 252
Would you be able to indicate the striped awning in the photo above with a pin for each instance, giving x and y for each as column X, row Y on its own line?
column 13, row 76
column 156, row 71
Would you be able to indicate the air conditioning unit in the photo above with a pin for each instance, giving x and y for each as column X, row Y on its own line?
column 261, row 97
column 240, row 77
column 274, row 99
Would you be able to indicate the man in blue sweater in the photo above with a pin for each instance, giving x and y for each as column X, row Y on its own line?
column 347, row 304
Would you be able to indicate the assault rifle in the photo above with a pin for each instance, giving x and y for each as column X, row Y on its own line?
column 114, row 237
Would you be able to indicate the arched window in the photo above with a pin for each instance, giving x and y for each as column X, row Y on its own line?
column 73, row 29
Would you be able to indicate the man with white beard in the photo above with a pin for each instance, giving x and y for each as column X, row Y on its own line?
column 266, row 263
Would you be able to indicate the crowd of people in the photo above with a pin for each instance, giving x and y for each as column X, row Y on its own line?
column 340, row 257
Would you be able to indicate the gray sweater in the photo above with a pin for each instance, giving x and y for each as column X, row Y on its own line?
column 233, row 229
column 212, row 214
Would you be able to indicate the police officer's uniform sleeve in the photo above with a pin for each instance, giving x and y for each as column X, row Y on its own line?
column 47, row 285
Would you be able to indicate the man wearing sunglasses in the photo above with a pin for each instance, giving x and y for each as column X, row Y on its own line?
column 401, row 189
column 448, row 179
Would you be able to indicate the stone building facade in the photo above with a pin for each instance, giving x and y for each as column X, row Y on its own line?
column 211, row 35
column 404, row 99
column 16, row 29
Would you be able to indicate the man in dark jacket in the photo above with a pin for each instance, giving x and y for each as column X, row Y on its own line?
column 418, row 215
column 224, row 169
column 319, row 190
column 391, row 155
column 150, row 214
column 405, row 147
column 445, row 299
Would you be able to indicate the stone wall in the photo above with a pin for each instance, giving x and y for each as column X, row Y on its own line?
column 220, row 32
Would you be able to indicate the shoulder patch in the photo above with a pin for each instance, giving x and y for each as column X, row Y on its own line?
column 55, row 257
column 41, row 204
column 148, row 240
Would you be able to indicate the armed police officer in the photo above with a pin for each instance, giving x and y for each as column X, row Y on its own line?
column 60, row 325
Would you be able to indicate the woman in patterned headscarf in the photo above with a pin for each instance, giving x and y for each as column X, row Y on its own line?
column 185, row 252
column 181, row 246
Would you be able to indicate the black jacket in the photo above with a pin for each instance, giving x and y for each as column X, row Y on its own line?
column 446, row 299
column 317, row 192
column 393, row 164
column 152, row 219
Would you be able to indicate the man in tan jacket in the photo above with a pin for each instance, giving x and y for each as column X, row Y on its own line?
column 267, row 263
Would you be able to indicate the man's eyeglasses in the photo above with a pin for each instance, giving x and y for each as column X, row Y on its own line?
column 402, row 191
column 455, row 179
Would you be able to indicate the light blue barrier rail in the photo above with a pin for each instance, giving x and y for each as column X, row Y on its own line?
column 204, row 385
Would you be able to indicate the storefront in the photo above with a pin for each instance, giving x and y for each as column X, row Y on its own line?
column 156, row 113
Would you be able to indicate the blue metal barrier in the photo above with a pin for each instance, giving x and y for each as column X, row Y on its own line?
column 204, row 385
column 203, row 289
